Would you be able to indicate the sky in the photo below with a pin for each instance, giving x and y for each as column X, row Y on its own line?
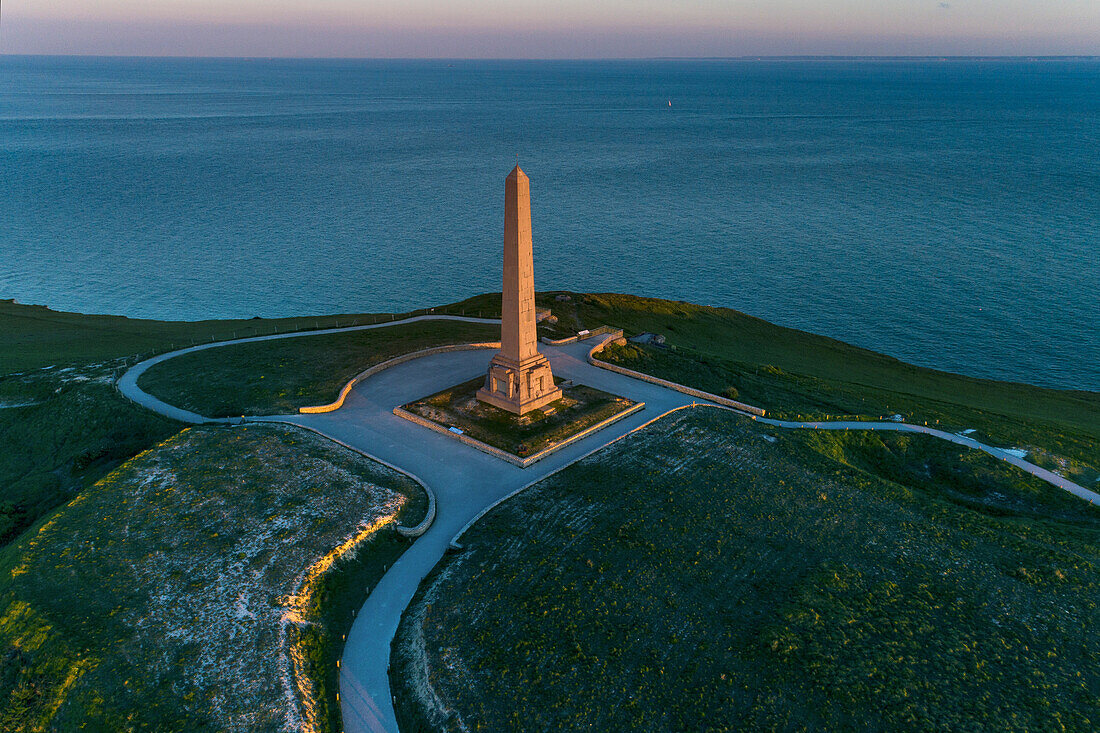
column 557, row 29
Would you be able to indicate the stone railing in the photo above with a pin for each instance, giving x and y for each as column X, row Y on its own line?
column 505, row 455
column 386, row 365
column 725, row 401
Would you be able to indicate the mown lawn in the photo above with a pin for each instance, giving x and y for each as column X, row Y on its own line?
column 710, row 573
column 191, row 589
column 277, row 377
column 799, row 375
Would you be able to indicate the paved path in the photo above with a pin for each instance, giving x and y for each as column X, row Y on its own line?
column 464, row 480
column 467, row 481
column 1048, row 476
column 127, row 383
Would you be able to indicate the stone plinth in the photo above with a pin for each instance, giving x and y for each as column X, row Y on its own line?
column 519, row 378
column 519, row 386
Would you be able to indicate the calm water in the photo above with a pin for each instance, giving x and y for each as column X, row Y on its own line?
column 947, row 213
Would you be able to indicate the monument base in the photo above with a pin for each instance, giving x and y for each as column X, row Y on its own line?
column 519, row 387
column 519, row 439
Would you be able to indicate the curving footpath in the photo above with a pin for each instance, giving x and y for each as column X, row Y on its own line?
column 1049, row 476
column 465, row 481
column 127, row 383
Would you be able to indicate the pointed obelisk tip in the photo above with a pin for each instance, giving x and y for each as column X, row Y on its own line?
column 517, row 173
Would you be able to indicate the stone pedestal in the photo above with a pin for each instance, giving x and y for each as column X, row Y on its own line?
column 519, row 386
column 519, row 378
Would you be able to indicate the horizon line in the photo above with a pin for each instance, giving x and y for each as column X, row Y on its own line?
column 746, row 57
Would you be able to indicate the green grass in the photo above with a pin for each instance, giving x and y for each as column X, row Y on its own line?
column 71, row 427
column 797, row 375
column 35, row 336
column 71, row 430
column 153, row 601
column 64, row 427
column 714, row 574
column 278, row 377
column 580, row 408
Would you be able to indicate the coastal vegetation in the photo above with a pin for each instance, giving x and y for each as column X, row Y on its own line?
column 191, row 588
column 712, row 573
column 798, row 375
column 73, row 440
column 36, row 336
column 64, row 424
column 62, row 430
column 67, row 432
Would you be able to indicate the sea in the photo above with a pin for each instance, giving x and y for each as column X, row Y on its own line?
column 943, row 211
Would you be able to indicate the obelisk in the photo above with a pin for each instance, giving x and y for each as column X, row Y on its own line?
column 519, row 378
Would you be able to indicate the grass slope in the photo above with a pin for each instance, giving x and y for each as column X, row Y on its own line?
column 62, row 430
column 65, row 427
column 35, row 336
column 167, row 596
column 796, row 374
column 713, row 574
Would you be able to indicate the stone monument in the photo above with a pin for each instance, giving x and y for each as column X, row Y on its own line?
column 519, row 378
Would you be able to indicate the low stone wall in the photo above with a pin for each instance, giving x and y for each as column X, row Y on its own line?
column 664, row 382
column 591, row 334
column 505, row 455
column 484, row 447
column 386, row 365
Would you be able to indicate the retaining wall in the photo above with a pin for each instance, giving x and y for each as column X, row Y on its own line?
column 664, row 382
column 505, row 455
column 386, row 365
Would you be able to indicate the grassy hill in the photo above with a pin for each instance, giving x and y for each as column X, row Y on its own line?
column 711, row 573
column 69, row 427
column 67, row 659
column 36, row 336
column 197, row 586
column 277, row 377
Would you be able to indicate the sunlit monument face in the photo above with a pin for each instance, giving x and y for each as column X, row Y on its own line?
column 519, row 378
